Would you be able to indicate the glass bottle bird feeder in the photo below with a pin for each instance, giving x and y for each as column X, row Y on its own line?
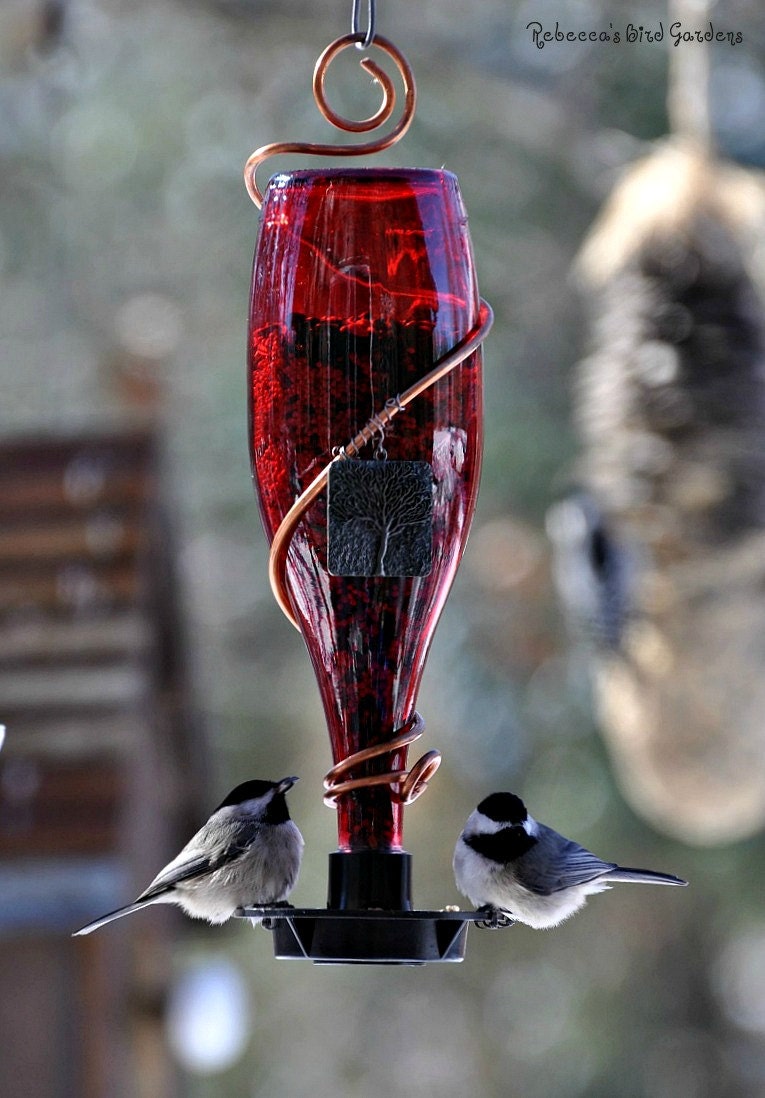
column 365, row 435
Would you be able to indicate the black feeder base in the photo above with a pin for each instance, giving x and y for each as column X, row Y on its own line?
column 369, row 920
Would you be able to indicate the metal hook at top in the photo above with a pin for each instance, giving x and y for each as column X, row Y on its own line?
column 368, row 39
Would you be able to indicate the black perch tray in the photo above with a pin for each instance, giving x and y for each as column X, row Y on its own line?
column 368, row 919
column 327, row 936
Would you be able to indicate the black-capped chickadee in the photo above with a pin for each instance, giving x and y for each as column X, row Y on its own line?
column 248, row 853
column 506, row 861
column 595, row 572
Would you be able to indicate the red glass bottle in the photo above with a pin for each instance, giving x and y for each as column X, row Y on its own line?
column 362, row 280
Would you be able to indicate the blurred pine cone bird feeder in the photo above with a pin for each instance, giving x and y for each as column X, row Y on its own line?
column 662, row 557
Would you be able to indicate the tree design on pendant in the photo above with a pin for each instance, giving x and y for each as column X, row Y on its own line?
column 379, row 518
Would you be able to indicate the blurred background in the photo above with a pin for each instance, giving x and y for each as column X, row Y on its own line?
column 145, row 669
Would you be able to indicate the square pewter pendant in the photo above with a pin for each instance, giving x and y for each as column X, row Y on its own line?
column 380, row 518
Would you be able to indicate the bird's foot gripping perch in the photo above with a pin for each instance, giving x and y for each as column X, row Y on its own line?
column 495, row 919
column 268, row 922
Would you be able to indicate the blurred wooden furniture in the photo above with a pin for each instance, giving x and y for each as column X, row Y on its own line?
column 99, row 768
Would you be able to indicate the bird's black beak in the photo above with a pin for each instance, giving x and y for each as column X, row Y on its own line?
column 285, row 784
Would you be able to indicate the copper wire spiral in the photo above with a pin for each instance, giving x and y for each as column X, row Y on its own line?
column 407, row 785
column 277, row 564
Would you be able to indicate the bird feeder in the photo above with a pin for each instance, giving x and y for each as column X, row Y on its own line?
column 365, row 433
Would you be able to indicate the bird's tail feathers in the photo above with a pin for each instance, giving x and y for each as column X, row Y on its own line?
column 118, row 914
column 643, row 876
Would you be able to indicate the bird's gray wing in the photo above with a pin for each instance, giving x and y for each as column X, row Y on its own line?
column 557, row 864
column 194, row 861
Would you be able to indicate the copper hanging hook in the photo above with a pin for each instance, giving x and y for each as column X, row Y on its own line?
column 379, row 118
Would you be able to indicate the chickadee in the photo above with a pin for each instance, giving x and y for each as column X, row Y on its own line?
column 506, row 861
column 594, row 571
column 248, row 853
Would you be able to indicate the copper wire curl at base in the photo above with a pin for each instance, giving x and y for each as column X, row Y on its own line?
column 407, row 785
column 379, row 118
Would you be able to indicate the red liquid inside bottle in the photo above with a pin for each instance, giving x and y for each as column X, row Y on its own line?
column 362, row 280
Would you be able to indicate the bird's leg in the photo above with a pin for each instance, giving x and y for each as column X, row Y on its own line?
column 267, row 922
column 495, row 919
